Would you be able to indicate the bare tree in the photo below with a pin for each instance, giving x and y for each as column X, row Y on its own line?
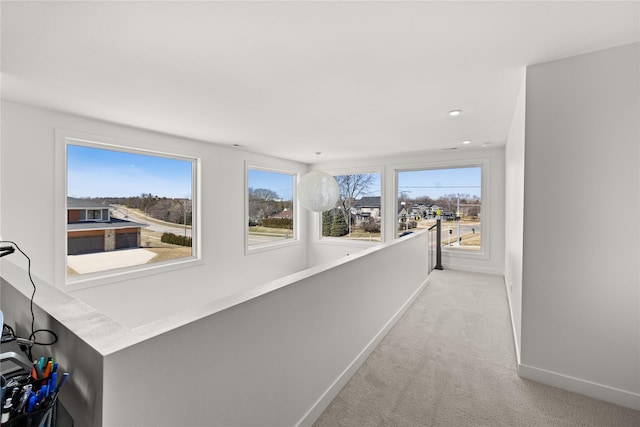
column 351, row 188
column 448, row 202
column 263, row 194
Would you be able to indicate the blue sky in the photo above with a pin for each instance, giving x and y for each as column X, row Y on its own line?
column 94, row 172
column 281, row 183
column 438, row 182
column 431, row 182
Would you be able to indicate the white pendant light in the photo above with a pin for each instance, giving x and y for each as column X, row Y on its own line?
column 318, row 191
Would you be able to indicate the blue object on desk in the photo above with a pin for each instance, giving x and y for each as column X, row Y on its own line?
column 32, row 403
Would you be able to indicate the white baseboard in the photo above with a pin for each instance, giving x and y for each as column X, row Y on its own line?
column 576, row 385
column 513, row 323
column 327, row 397
column 473, row 269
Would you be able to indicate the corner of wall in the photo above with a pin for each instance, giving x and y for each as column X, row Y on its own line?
column 514, row 211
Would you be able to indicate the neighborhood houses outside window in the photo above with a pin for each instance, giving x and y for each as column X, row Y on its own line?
column 357, row 214
column 455, row 194
column 270, row 208
column 126, row 209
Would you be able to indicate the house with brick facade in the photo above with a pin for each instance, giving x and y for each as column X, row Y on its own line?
column 90, row 228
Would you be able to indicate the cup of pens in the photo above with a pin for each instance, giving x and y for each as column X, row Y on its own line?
column 31, row 399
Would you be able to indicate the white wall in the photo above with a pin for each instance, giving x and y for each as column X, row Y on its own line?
column 491, row 261
column 580, row 284
column 1, row 236
column 28, row 167
column 28, row 172
column 513, row 219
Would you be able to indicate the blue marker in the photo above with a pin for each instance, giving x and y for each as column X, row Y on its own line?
column 32, row 403
column 64, row 380
column 41, row 394
column 53, row 382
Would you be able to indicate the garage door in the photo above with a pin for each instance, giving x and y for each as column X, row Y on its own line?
column 85, row 245
column 126, row 240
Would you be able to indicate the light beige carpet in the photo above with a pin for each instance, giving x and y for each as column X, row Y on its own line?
column 450, row 361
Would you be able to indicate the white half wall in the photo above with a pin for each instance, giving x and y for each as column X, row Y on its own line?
column 275, row 355
column 275, row 360
column 581, row 281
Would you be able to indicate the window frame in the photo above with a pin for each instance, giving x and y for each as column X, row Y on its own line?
column 63, row 138
column 269, row 246
column 86, row 215
column 485, row 228
column 329, row 240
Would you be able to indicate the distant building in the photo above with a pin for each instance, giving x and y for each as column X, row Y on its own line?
column 90, row 229
column 366, row 208
column 286, row 213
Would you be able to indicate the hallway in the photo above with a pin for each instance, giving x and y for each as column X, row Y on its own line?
column 450, row 361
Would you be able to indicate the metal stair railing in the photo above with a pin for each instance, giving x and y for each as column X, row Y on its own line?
column 437, row 244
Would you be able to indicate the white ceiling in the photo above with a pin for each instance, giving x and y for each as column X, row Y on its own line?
column 349, row 79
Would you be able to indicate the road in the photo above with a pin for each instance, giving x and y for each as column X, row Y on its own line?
column 464, row 229
column 256, row 238
column 153, row 224
column 450, row 229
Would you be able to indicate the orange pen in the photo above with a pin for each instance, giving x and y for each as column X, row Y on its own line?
column 47, row 370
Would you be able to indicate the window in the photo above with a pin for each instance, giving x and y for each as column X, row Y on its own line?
column 94, row 214
column 127, row 209
column 453, row 193
column 271, row 216
column 358, row 212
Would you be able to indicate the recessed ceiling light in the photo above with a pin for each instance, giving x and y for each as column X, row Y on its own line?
column 454, row 113
column 466, row 141
column 486, row 144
